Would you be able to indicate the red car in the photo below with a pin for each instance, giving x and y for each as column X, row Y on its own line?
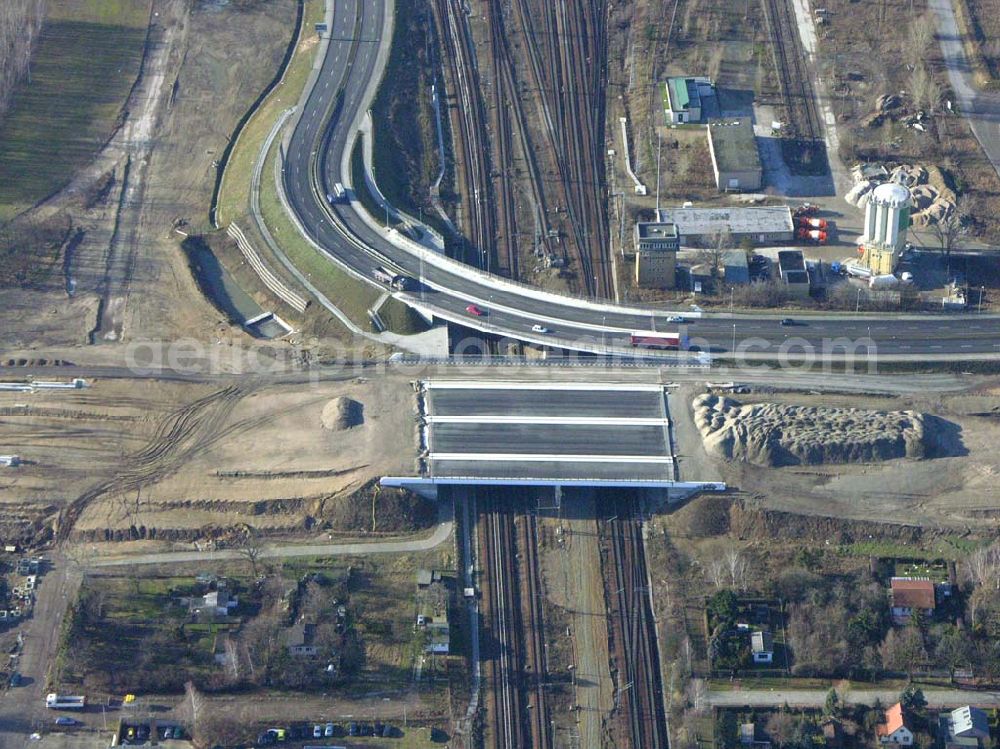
column 474, row 310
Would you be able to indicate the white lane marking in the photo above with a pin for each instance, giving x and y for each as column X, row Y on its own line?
column 536, row 458
column 615, row 421
column 630, row 387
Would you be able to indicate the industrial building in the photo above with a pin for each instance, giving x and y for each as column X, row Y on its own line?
column 735, row 158
column 736, row 267
column 656, row 246
column 702, row 226
column 887, row 217
column 684, row 99
column 793, row 273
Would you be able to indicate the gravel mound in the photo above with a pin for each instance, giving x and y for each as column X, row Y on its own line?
column 342, row 413
column 771, row 434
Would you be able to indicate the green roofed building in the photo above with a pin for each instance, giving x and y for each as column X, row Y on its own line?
column 683, row 99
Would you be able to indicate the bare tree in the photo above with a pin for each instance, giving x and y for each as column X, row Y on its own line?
column 20, row 24
column 982, row 567
column 950, row 228
column 716, row 571
column 923, row 88
column 251, row 549
column 920, row 35
column 738, row 566
column 713, row 256
column 903, row 649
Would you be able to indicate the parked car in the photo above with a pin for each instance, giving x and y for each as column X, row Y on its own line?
column 178, row 732
column 64, row 720
column 142, row 732
column 317, row 732
column 328, row 732
column 130, row 732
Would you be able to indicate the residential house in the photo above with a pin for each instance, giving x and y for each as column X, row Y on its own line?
column 762, row 647
column 910, row 595
column 214, row 604
column 894, row 730
column 300, row 640
column 964, row 728
column 833, row 733
column 748, row 737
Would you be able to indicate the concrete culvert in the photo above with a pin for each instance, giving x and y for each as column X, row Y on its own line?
column 343, row 413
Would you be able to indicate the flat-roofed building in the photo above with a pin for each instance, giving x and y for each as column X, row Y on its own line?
column 683, row 98
column 735, row 159
column 793, row 273
column 762, row 225
column 656, row 246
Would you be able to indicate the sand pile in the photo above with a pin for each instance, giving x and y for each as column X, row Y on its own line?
column 342, row 413
column 772, row 434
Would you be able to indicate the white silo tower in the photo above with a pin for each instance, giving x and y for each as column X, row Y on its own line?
column 887, row 217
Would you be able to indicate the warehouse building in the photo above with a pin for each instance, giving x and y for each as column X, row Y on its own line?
column 686, row 99
column 700, row 227
column 736, row 268
column 793, row 273
column 656, row 246
column 735, row 158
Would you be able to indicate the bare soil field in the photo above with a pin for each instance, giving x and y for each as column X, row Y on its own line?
column 856, row 78
column 181, row 460
column 956, row 489
column 205, row 64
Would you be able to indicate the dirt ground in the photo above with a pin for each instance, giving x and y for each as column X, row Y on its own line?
column 208, row 62
column 958, row 488
column 193, row 456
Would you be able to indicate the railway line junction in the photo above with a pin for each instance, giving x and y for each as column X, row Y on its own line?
column 317, row 155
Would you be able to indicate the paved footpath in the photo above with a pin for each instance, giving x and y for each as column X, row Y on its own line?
column 817, row 697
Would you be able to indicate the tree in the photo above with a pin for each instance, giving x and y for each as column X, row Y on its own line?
column 724, row 607
column 251, row 548
column 713, row 255
column 953, row 650
column 919, row 38
column 950, row 228
column 912, row 698
column 832, row 705
column 738, row 566
column 923, row 88
column 903, row 649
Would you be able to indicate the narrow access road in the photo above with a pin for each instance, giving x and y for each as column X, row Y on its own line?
column 936, row 698
column 442, row 532
column 22, row 709
column 981, row 109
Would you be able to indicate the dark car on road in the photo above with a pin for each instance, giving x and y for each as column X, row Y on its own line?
column 64, row 720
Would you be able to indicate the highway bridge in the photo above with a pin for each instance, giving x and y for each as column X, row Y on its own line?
column 317, row 156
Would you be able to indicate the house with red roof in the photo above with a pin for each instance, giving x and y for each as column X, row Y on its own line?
column 894, row 731
column 910, row 595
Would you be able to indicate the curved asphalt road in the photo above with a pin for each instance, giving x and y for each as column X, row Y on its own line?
column 324, row 133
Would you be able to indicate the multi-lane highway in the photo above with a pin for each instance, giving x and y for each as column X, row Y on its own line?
column 318, row 151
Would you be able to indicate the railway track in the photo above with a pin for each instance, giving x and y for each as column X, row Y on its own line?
column 513, row 642
column 474, row 175
column 640, row 690
column 566, row 70
column 794, row 81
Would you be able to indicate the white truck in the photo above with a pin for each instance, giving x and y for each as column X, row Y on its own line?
column 338, row 195
column 65, row 701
